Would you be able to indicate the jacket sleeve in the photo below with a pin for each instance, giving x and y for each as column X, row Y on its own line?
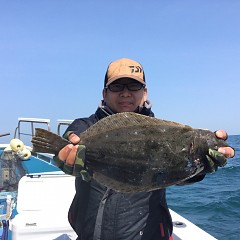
column 78, row 126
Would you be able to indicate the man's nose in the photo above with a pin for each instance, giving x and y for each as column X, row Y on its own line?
column 125, row 91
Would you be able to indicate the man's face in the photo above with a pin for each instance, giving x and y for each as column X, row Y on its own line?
column 124, row 100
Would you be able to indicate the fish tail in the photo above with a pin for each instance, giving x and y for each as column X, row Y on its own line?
column 47, row 142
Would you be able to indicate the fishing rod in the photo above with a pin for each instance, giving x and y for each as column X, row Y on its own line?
column 4, row 134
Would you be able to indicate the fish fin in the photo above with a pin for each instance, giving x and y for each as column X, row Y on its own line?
column 47, row 142
column 126, row 120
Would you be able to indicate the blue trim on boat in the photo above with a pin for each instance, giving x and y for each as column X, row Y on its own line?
column 38, row 163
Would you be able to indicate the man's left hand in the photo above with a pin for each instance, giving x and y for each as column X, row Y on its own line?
column 219, row 158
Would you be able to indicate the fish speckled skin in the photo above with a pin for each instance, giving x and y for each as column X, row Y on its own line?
column 129, row 152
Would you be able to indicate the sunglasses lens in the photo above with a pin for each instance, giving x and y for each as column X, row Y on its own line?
column 134, row 86
column 117, row 87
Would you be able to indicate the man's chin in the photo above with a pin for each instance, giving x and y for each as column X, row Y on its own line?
column 126, row 109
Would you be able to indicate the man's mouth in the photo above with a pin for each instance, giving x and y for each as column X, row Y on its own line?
column 125, row 104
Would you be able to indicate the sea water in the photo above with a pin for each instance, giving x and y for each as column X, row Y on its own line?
column 214, row 203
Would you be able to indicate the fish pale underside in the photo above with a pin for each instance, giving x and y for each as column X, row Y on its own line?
column 130, row 152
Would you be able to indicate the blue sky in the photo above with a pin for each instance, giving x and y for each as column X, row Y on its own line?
column 54, row 54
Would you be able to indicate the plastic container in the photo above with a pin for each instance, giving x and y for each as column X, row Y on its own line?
column 42, row 206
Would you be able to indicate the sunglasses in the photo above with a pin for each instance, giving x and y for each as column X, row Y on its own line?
column 118, row 87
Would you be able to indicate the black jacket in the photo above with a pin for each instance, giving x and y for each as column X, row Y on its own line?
column 99, row 213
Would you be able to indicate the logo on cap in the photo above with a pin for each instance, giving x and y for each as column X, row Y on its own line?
column 136, row 69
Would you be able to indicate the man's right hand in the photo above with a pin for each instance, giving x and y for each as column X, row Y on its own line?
column 69, row 152
column 71, row 159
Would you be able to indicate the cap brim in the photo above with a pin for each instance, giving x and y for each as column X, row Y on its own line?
column 125, row 76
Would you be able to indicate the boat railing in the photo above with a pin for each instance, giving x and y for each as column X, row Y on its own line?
column 32, row 121
column 62, row 122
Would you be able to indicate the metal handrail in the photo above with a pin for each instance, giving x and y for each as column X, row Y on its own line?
column 31, row 121
column 63, row 122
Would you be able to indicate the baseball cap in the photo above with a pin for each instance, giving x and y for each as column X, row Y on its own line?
column 122, row 68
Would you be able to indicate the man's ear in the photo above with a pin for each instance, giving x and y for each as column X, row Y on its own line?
column 145, row 94
column 104, row 93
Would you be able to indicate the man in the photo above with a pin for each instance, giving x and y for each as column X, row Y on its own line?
column 100, row 213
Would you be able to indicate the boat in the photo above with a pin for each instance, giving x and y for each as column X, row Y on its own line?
column 38, row 208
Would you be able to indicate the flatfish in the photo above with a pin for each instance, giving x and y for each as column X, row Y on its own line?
column 129, row 152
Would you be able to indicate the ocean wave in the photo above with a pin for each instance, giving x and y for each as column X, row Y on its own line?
column 214, row 203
